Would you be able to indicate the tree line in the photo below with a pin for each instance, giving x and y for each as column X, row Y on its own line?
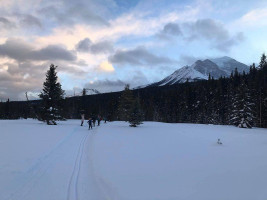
column 239, row 100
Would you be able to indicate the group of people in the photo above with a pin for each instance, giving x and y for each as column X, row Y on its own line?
column 92, row 121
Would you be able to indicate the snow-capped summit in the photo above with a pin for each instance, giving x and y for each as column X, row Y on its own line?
column 207, row 67
column 201, row 69
column 180, row 76
column 228, row 65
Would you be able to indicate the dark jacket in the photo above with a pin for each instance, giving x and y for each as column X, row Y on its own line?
column 89, row 122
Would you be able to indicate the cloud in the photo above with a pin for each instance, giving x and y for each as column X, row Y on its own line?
column 18, row 78
column 16, row 49
column 137, row 78
column 53, row 52
column 106, row 85
column 90, row 37
column 70, row 12
column 106, row 67
column 86, row 45
column 21, row 51
column 170, row 31
column 138, row 56
column 214, row 32
column 203, row 29
column 188, row 59
column 208, row 29
column 253, row 18
column 102, row 47
column 30, row 21
column 7, row 24
column 226, row 45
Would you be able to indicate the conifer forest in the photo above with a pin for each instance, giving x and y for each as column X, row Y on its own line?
column 239, row 100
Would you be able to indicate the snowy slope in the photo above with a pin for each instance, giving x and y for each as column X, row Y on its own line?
column 207, row 67
column 228, row 65
column 181, row 75
column 114, row 161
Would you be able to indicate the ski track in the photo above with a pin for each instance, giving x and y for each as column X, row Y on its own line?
column 37, row 170
column 73, row 183
column 100, row 188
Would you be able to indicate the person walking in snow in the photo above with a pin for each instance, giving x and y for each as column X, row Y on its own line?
column 82, row 119
column 90, row 123
column 94, row 119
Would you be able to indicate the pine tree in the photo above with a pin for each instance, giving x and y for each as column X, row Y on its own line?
column 52, row 96
column 263, row 61
column 262, row 83
column 82, row 102
column 136, row 114
column 242, row 111
column 126, row 104
column 7, row 110
column 84, row 92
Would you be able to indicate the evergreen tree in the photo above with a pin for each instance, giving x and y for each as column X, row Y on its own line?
column 136, row 114
column 7, row 110
column 262, row 87
column 263, row 61
column 84, row 92
column 126, row 104
column 52, row 96
column 82, row 103
column 242, row 112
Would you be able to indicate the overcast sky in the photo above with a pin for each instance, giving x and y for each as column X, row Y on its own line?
column 103, row 44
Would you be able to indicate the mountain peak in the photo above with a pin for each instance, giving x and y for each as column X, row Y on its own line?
column 228, row 64
column 207, row 67
column 201, row 69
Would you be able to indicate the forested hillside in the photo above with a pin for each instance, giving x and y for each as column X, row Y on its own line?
column 222, row 101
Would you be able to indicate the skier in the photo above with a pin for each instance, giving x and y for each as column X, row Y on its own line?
column 82, row 119
column 90, row 123
column 94, row 119
column 105, row 119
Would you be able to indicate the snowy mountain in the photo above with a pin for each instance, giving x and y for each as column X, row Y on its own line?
column 201, row 69
column 228, row 65
column 181, row 75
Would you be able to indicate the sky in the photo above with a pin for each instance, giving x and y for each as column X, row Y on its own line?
column 105, row 44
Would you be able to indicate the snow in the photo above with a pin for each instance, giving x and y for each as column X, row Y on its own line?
column 182, row 74
column 114, row 161
column 221, row 61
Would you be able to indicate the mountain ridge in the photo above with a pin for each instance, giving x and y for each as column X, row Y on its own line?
column 200, row 70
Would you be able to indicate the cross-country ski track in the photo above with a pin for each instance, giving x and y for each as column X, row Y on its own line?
column 67, row 168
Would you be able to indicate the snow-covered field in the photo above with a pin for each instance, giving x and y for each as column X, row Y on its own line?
column 152, row 162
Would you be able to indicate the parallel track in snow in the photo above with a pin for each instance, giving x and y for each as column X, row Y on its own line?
column 37, row 170
column 72, row 193
column 80, row 158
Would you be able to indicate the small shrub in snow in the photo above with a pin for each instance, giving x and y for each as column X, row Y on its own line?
column 136, row 114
